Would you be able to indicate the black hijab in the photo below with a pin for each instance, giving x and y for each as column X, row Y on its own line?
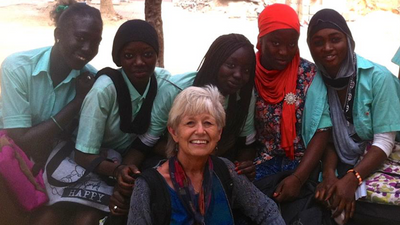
column 329, row 18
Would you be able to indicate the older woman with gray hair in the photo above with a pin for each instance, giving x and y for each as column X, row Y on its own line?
column 192, row 186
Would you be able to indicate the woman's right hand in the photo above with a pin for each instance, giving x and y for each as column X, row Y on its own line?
column 119, row 204
column 341, row 196
column 84, row 83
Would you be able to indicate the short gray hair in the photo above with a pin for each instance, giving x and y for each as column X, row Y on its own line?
column 194, row 101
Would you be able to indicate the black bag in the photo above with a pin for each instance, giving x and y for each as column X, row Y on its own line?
column 304, row 209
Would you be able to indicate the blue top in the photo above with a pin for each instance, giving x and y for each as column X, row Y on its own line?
column 251, row 201
column 218, row 212
column 28, row 96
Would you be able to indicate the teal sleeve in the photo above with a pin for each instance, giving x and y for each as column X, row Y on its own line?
column 396, row 57
column 385, row 104
column 162, row 105
column 94, row 113
column 316, row 110
column 15, row 102
column 325, row 121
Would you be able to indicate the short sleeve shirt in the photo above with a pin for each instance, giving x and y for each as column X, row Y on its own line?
column 27, row 93
column 396, row 57
column 99, row 125
column 376, row 103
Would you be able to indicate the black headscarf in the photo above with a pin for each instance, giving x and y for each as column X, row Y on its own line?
column 329, row 18
column 347, row 143
column 134, row 30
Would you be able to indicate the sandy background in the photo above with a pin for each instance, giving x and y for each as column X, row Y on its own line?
column 26, row 25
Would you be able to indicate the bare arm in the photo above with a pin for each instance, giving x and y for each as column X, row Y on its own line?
column 289, row 188
column 36, row 140
column 329, row 164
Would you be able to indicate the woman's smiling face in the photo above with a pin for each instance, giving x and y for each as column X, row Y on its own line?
column 329, row 48
column 196, row 135
column 79, row 41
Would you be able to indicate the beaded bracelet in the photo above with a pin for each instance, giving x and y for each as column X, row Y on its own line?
column 58, row 125
column 357, row 176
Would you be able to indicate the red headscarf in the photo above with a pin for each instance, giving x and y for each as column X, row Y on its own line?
column 274, row 85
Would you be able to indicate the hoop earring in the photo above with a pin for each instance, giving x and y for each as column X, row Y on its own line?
column 58, row 40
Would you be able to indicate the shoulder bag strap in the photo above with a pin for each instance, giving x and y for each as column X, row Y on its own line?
column 160, row 202
column 55, row 162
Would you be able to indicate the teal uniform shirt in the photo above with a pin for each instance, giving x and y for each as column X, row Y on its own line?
column 99, row 125
column 396, row 57
column 376, row 103
column 167, row 94
column 27, row 93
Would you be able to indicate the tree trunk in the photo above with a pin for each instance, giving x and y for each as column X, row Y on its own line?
column 107, row 9
column 152, row 11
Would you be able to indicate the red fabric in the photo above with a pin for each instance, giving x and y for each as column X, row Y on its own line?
column 274, row 85
column 275, row 17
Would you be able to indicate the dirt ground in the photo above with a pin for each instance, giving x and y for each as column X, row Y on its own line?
column 26, row 25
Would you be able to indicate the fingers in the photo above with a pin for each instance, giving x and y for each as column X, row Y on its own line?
column 347, row 211
column 339, row 209
column 320, row 193
column 119, row 205
column 247, row 168
column 117, row 211
column 329, row 194
column 277, row 193
column 126, row 179
column 352, row 209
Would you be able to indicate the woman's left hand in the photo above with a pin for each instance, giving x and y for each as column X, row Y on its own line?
column 126, row 176
column 341, row 196
column 247, row 168
column 288, row 189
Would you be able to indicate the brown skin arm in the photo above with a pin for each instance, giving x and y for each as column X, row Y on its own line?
column 289, row 188
column 104, row 168
column 40, row 136
column 329, row 164
column 341, row 194
column 125, row 181
column 37, row 140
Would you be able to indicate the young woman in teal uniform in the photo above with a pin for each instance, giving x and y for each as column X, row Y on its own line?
column 363, row 99
column 43, row 89
column 105, row 122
